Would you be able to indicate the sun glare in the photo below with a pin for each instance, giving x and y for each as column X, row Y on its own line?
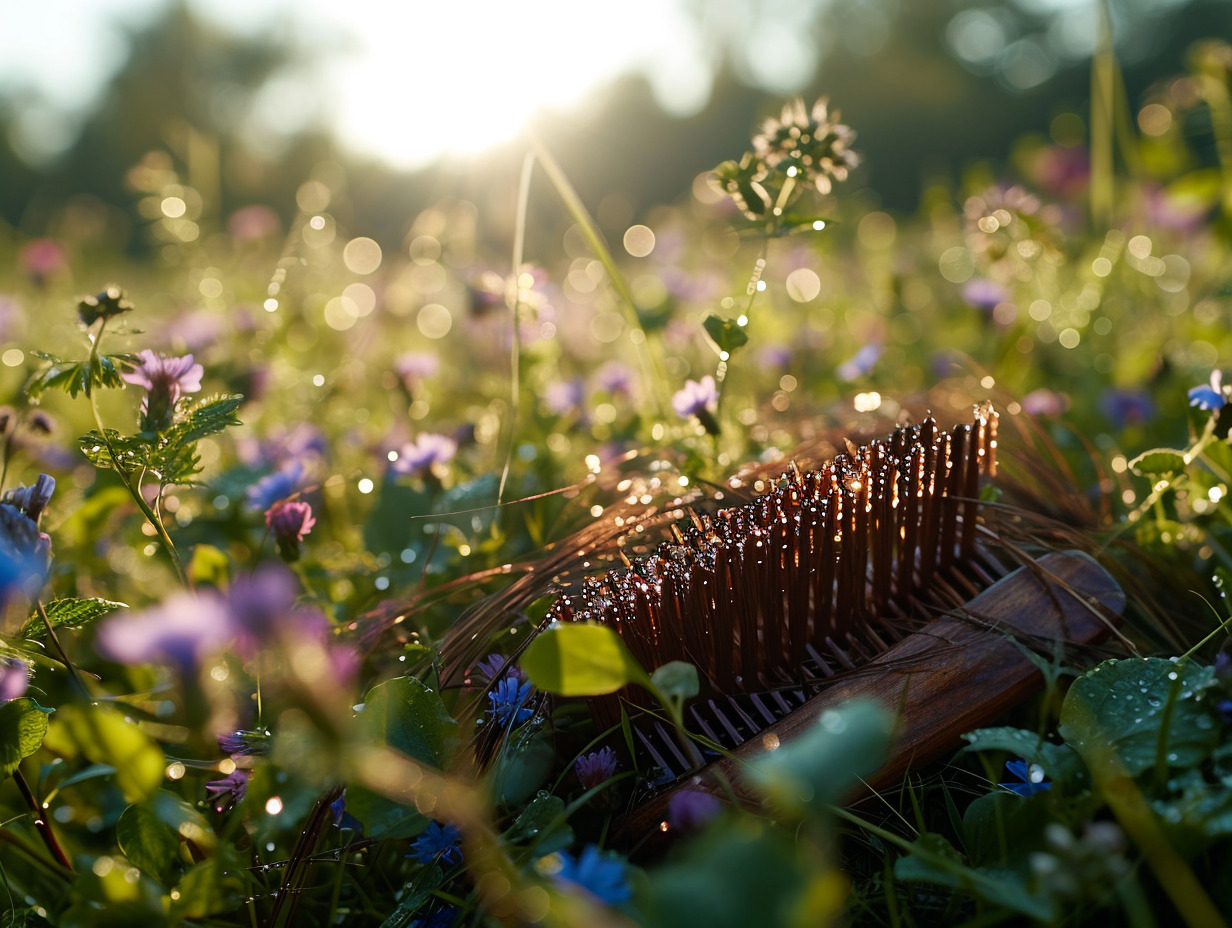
column 427, row 79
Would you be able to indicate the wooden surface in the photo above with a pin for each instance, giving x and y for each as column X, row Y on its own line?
column 956, row 674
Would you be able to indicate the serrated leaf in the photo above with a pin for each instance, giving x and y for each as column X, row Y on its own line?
column 23, row 725
column 1158, row 462
column 725, row 333
column 132, row 453
column 174, row 459
column 70, row 613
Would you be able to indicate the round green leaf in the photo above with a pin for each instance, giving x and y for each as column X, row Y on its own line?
column 580, row 659
column 407, row 715
column 677, row 680
column 1158, row 462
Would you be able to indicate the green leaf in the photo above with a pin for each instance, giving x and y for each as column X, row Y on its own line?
column 818, row 768
column 383, row 818
column 1059, row 761
column 542, row 825
column 1122, row 705
column 23, row 725
column 677, row 680
column 149, row 841
column 70, row 613
column 1001, row 829
column 725, row 333
column 934, row 860
column 210, row 888
column 103, row 736
column 580, row 659
column 1158, row 462
column 174, row 459
column 405, row 714
column 133, row 454
column 208, row 566
column 414, row 895
column 523, row 767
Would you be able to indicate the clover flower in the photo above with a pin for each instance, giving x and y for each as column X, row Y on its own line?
column 165, row 380
column 289, row 521
column 438, row 842
column 1029, row 778
column 508, row 702
column 424, row 453
column 596, row 767
column 230, row 790
column 807, row 143
column 601, row 875
column 1211, row 396
column 14, row 678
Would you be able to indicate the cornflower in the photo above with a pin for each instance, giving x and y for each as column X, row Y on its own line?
column 508, row 701
column 601, row 875
column 438, row 842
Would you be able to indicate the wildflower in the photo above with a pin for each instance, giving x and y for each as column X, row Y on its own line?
column 183, row 629
column 689, row 809
column 1126, row 407
column 563, row 396
column 423, row 454
column 106, row 305
column 807, row 143
column 252, row 224
column 596, row 767
column 983, row 293
column 284, row 482
column 616, row 378
column 1212, row 395
column 42, row 259
column 860, row 363
column 601, row 875
column 508, row 701
column 696, row 397
column 1030, row 778
column 244, row 743
column 289, row 521
column 497, row 666
column 414, row 367
column 1044, row 402
column 25, row 552
column 165, row 380
column 14, row 678
column 230, row 790
column 438, row 842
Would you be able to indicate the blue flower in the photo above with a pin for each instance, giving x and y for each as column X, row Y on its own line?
column 601, row 875
column 276, row 486
column 444, row 917
column 509, row 701
column 1211, row 395
column 1030, row 778
column 438, row 842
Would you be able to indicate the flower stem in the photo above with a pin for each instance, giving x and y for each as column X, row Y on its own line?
column 40, row 821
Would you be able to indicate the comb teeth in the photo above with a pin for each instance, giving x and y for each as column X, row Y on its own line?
column 752, row 593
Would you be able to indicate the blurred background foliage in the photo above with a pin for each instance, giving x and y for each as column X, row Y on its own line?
column 936, row 85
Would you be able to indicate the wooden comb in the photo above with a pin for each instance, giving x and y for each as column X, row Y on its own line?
column 874, row 577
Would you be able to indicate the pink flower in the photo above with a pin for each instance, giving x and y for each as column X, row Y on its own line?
column 14, row 678
column 289, row 520
column 426, row 451
column 165, row 380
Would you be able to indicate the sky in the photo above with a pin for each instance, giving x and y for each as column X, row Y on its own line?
column 432, row 62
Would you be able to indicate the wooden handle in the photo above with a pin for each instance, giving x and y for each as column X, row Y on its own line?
column 958, row 673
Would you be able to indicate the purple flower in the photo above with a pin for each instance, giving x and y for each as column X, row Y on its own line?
column 1211, row 395
column 183, row 629
column 616, row 378
column 438, row 842
column 14, row 678
column 602, row 875
column 689, row 809
column 860, row 363
column 696, row 398
column 984, row 294
column 1044, row 402
column 563, row 396
column 1127, row 407
column 596, row 767
column 244, row 743
column 289, row 521
column 230, row 790
column 425, row 452
column 508, row 701
column 279, row 485
column 496, row 666
column 165, row 380
column 414, row 367
column 253, row 223
column 1029, row 778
